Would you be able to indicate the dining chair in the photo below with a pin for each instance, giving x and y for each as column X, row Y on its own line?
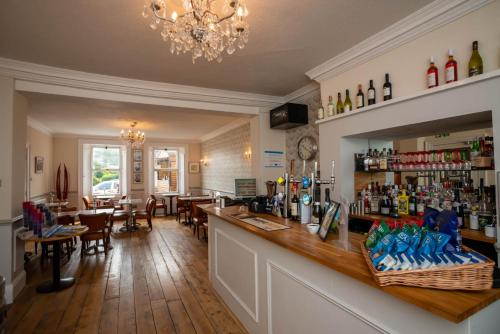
column 199, row 217
column 97, row 231
column 116, row 205
column 160, row 204
column 147, row 213
column 182, row 209
column 86, row 202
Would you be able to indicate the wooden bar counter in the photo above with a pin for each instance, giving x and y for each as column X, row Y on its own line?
column 282, row 281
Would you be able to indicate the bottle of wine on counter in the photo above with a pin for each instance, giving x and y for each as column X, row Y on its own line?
column 316, row 214
column 450, row 70
column 360, row 97
column 340, row 105
column 294, row 207
column 432, row 75
column 387, row 88
column 328, row 201
column 475, row 62
column 330, row 107
column 347, row 102
column 371, row 94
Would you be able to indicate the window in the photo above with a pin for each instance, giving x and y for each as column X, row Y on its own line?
column 106, row 170
column 165, row 171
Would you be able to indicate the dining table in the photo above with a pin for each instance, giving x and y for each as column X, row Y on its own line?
column 57, row 283
column 170, row 197
column 188, row 199
column 129, row 203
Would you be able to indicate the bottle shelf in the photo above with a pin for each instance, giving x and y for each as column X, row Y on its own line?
column 466, row 233
column 425, row 170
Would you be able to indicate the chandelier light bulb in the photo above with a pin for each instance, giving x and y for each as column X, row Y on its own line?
column 174, row 16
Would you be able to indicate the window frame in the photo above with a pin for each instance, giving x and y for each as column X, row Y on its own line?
column 120, row 168
column 154, row 169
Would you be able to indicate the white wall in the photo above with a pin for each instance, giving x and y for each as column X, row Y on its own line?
column 407, row 65
column 40, row 144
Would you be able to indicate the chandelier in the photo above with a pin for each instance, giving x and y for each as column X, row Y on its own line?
column 199, row 29
column 133, row 137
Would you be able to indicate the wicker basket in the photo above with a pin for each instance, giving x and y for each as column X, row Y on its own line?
column 477, row 276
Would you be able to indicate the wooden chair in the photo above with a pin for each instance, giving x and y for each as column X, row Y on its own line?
column 86, row 202
column 181, row 208
column 199, row 217
column 160, row 204
column 97, row 231
column 116, row 205
column 147, row 213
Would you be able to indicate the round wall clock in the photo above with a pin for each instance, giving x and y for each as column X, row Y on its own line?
column 307, row 148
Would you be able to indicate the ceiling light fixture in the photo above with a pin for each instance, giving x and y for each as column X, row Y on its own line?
column 133, row 136
column 199, row 29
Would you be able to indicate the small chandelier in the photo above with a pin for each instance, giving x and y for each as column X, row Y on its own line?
column 133, row 137
column 199, row 29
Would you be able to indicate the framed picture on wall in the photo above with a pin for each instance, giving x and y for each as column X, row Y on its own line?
column 137, row 166
column 194, row 167
column 137, row 152
column 137, row 178
column 38, row 165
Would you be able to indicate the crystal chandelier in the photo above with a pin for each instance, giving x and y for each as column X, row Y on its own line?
column 133, row 137
column 199, row 29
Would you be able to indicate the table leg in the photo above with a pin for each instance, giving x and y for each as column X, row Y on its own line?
column 57, row 282
column 171, row 207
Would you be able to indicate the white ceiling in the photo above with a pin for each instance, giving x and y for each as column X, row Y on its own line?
column 288, row 38
column 88, row 117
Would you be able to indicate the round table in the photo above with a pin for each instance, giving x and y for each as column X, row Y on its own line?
column 57, row 283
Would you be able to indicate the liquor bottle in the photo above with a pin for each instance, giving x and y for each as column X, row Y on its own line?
column 366, row 160
column 340, row 105
column 382, row 161
column 321, row 113
column 458, row 208
column 403, row 203
column 371, row 94
column 387, row 88
column 374, row 161
column 294, row 207
column 347, row 102
column 330, row 107
column 360, row 97
column 375, row 200
column 385, row 206
column 412, row 205
column 328, row 201
column 475, row 62
column 316, row 214
column 432, row 75
column 420, row 205
column 395, row 203
column 367, row 205
column 450, row 69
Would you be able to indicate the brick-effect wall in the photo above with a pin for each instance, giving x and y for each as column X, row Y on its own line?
column 226, row 160
column 311, row 129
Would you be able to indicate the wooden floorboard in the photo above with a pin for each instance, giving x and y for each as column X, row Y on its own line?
column 150, row 282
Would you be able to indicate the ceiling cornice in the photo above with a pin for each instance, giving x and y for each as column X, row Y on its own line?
column 228, row 127
column 428, row 18
column 302, row 94
column 34, row 124
column 53, row 80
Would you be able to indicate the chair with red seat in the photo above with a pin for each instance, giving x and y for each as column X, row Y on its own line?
column 147, row 213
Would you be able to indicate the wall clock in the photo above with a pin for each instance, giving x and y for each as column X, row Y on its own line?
column 307, row 148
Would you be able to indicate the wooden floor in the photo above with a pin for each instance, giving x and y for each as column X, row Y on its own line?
column 150, row 282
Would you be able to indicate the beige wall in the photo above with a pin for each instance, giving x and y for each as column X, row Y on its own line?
column 408, row 64
column 6, row 133
column 225, row 159
column 40, row 145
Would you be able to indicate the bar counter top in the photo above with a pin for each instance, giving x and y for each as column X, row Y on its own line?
column 454, row 306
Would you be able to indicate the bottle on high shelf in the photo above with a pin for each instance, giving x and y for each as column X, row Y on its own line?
column 432, row 75
column 475, row 62
column 360, row 97
column 371, row 94
column 347, row 102
column 340, row 105
column 366, row 160
column 450, row 69
column 387, row 88
column 382, row 162
column 374, row 161
column 330, row 107
column 321, row 113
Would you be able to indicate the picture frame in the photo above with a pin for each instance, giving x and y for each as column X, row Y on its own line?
column 331, row 215
column 194, row 167
column 137, row 154
column 137, row 166
column 137, row 178
column 38, row 165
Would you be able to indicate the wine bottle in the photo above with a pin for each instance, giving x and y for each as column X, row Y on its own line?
column 450, row 70
column 328, row 201
column 294, row 207
column 385, row 207
column 340, row 105
column 387, row 88
column 321, row 113
column 475, row 62
column 412, row 204
column 316, row 214
column 360, row 97
column 371, row 94
column 432, row 75
column 347, row 102
column 330, row 107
